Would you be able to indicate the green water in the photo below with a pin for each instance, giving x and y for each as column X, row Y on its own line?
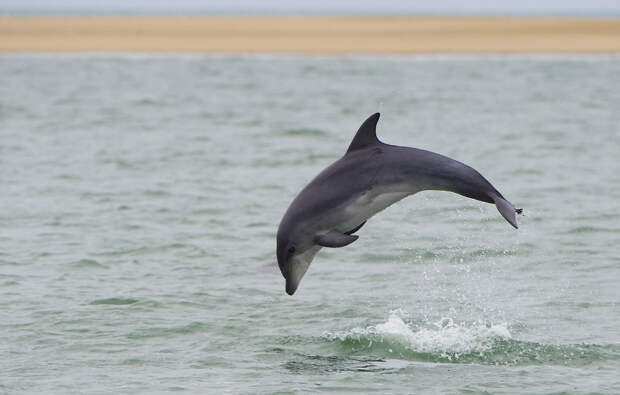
column 141, row 196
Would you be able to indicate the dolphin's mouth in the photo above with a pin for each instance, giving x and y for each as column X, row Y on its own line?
column 297, row 267
column 291, row 286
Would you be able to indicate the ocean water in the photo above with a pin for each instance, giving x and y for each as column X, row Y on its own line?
column 141, row 196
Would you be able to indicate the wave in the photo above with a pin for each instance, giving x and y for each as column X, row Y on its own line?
column 450, row 342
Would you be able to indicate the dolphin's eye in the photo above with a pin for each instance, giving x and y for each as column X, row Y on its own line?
column 291, row 250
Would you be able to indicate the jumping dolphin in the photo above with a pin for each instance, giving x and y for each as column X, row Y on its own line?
column 370, row 177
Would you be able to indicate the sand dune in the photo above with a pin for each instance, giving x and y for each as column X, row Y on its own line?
column 312, row 35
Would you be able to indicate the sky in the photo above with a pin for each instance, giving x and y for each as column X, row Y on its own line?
column 501, row 7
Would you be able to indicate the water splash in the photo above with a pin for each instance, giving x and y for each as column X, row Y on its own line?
column 450, row 342
column 444, row 337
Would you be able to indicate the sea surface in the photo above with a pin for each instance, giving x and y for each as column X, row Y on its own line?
column 140, row 197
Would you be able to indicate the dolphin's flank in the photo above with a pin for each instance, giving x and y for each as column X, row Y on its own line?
column 370, row 177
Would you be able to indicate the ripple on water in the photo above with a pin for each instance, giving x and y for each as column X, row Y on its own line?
column 88, row 264
column 303, row 132
column 150, row 332
column 114, row 301
column 591, row 229
column 304, row 363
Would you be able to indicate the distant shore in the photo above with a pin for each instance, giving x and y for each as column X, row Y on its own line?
column 311, row 35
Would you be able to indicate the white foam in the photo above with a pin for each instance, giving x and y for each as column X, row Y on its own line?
column 444, row 337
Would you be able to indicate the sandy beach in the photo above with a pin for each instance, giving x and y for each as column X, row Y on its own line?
column 310, row 35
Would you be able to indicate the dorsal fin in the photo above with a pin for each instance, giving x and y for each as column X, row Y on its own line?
column 366, row 136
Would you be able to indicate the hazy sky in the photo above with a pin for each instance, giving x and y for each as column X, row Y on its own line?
column 558, row 7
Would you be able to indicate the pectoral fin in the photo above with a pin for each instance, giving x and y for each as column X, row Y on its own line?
column 335, row 239
column 358, row 227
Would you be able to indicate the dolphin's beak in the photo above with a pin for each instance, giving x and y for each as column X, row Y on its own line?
column 291, row 286
column 295, row 267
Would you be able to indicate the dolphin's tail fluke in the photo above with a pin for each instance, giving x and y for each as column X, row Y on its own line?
column 506, row 209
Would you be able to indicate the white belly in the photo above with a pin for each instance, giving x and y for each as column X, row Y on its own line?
column 368, row 205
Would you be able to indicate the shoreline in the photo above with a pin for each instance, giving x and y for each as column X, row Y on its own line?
column 312, row 35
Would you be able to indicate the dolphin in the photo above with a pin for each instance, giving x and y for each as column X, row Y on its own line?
column 369, row 177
